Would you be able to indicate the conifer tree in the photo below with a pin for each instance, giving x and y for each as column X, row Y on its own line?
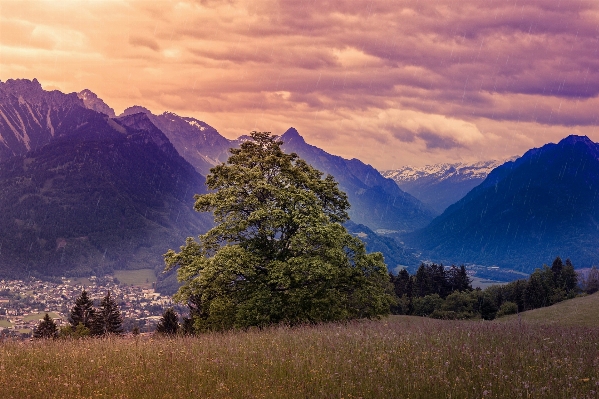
column 83, row 312
column 46, row 328
column 169, row 322
column 108, row 318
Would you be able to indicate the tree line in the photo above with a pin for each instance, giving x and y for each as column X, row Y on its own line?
column 85, row 320
column 447, row 293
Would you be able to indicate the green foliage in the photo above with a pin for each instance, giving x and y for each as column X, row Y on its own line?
column 425, row 306
column 447, row 294
column 108, row 319
column 45, row 329
column 507, row 308
column 169, row 323
column 462, row 303
column 278, row 252
column 80, row 331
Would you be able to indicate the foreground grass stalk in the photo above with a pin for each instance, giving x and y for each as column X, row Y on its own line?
column 403, row 357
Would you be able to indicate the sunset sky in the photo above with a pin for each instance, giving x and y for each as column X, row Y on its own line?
column 388, row 82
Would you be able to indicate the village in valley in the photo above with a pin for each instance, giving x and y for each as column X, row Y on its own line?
column 23, row 303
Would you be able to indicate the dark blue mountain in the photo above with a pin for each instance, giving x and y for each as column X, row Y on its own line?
column 525, row 213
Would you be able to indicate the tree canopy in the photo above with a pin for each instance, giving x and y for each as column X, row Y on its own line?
column 278, row 252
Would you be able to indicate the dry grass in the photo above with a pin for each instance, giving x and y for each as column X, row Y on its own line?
column 405, row 357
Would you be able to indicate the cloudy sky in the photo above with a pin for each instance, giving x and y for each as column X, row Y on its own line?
column 389, row 82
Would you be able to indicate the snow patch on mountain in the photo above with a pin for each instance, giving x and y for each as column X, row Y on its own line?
column 443, row 171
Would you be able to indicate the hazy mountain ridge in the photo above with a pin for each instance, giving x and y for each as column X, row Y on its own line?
column 440, row 185
column 93, row 102
column 196, row 141
column 376, row 202
column 525, row 213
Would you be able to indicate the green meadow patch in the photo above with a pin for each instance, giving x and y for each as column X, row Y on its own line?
column 581, row 311
column 140, row 277
column 5, row 323
column 39, row 316
column 396, row 357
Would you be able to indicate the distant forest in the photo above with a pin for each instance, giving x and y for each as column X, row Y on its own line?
column 446, row 293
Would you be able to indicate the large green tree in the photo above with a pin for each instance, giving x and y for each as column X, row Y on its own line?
column 278, row 252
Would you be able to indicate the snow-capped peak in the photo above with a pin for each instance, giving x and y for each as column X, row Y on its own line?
column 442, row 171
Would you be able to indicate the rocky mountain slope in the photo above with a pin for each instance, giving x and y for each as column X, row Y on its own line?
column 31, row 117
column 199, row 143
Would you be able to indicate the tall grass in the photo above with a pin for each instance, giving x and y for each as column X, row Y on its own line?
column 399, row 357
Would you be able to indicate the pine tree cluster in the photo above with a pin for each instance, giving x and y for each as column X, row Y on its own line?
column 86, row 320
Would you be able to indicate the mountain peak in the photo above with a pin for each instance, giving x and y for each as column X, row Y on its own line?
column 292, row 135
column 22, row 85
column 93, row 102
column 573, row 139
column 136, row 109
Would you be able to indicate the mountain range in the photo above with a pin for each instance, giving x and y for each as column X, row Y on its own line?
column 376, row 201
column 82, row 193
column 441, row 185
column 85, row 192
column 525, row 213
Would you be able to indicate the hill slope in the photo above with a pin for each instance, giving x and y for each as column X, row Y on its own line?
column 581, row 311
column 527, row 212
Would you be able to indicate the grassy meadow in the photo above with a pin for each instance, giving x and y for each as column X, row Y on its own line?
column 581, row 311
column 396, row 357
column 140, row 277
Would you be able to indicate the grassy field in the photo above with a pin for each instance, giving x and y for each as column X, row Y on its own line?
column 140, row 277
column 483, row 283
column 39, row 316
column 5, row 323
column 582, row 311
column 84, row 281
column 398, row 357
